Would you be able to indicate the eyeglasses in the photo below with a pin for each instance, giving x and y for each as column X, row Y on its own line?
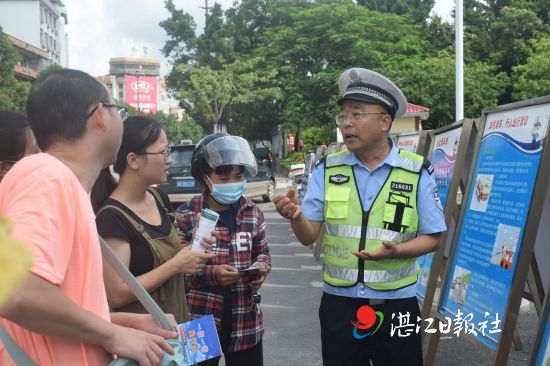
column 122, row 111
column 165, row 152
column 353, row 117
column 10, row 161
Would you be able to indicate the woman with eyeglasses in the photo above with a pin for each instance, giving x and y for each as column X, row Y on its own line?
column 135, row 220
column 16, row 140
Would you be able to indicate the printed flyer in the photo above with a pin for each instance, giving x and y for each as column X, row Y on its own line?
column 199, row 339
column 493, row 224
column 443, row 159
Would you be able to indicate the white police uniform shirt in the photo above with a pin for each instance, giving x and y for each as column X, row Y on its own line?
column 430, row 212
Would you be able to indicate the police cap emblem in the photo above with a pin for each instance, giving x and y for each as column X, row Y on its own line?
column 354, row 76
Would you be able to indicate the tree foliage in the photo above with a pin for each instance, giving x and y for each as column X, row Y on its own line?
column 177, row 130
column 532, row 79
column 13, row 92
column 419, row 10
column 430, row 82
column 264, row 63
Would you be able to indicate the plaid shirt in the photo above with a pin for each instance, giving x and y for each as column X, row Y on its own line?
column 239, row 249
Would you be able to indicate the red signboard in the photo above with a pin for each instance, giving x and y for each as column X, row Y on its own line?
column 141, row 92
column 290, row 141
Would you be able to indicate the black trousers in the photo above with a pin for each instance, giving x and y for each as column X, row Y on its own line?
column 345, row 345
column 249, row 357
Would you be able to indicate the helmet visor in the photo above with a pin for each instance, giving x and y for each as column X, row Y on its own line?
column 230, row 150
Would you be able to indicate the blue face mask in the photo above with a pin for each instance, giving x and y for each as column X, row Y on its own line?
column 228, row 193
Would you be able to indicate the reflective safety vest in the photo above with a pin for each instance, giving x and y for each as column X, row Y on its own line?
column 347, row 226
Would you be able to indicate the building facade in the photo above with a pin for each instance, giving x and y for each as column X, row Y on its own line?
column 137, row 82
column 33, row 59
column 412, row 119
column 38, row 25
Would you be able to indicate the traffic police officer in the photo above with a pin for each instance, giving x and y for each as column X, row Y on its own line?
column 380, row 210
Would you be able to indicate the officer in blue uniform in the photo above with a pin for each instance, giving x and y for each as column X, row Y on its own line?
column 364, row 320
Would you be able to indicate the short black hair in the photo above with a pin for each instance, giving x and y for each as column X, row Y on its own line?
column 139, row 133
column 59, row 104
column 14, row 133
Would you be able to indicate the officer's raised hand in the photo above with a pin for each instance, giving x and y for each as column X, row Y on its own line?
column 288, row 205
column 388, row 250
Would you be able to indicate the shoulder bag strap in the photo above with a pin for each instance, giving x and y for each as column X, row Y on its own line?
column 16, row 353
column 139, row 228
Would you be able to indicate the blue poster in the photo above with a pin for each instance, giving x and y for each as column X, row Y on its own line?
column 200, row 340
column 443, row 159
column 543, row 356
column 493, row 224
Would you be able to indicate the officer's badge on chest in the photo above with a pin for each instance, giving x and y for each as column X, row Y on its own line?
column 339, row 179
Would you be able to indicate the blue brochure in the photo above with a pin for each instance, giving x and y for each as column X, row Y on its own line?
column 199, row 339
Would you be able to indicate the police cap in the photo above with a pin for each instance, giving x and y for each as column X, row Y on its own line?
column 368, row 86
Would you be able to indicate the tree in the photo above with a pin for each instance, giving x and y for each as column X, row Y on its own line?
column 439, row 33
column 430, row 82
column 419, row 10
column 321, row 42
column 533, row 78
column 13, row 92
column 512, row 33
column 313, row 136
column 210, row 93
column 180, row 28
column 177, row 130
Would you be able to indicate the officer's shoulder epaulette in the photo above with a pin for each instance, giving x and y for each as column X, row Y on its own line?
column 321, row 161
column 428, row 166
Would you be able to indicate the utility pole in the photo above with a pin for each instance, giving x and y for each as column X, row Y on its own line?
column 138, row 90
column 205, row 9
column 459, row 61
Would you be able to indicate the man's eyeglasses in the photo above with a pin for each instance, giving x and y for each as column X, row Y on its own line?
column 122, row 111
column 353, row 117
column 10, row 161
column 165, row 152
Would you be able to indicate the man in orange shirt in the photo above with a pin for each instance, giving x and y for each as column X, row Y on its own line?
column 60, row 315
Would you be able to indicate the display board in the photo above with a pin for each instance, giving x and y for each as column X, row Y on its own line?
column 499, row 220
column 408, row 141
column 541, row 257
column 443, row 156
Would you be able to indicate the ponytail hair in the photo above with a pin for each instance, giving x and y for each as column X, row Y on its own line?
column 139, row 133
column 102, row 189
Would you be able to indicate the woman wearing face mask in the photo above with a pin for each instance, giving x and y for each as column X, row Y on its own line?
column 134, row 219
column 222, row 288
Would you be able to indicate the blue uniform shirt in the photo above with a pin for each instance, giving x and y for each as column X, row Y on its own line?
column 430, row 212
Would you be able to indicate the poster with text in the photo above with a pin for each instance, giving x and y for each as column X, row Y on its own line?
column 493, row 224
column 443, row 159
column 408, row 142
column 141, row 92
